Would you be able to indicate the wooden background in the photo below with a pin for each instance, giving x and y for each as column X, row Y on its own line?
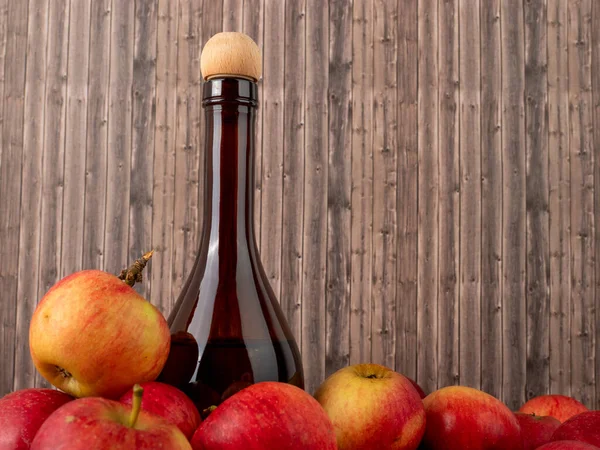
column 428, row 178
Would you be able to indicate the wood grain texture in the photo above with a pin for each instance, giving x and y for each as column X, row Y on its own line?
column 11, row 186
column 428, row 199
column 581, row 154
column 315, row 195
column 337, row 294
column 143, row 135
column 559, row 199
column 6, row 307
column 195, row 26
column 53, row 148
column 362, row 181
column 31, row 192
column 272, row 146
column 384, row 148
column 118, row 170
column 254, row 26
column 491, row 199
column 77, row 99
column 163, row 194
column 449, row 194
column 595, row 70
column 96, row 161
column 537, row 192
column 233, row 15
column 470, row 329
column 513, row 205
column 407, row 222
column 293, row 168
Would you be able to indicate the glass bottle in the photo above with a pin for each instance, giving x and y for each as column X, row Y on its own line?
column 228, row 330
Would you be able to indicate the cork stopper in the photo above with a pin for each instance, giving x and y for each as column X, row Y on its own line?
column 231, row 54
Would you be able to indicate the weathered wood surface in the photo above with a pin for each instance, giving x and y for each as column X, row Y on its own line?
column 426, row 191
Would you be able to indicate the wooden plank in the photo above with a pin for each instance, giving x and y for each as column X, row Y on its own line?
column 272, row 155
column 142, row 145
column 6, row 383
column 558, row 198
column 233, row 15
column 31, row 190
column 513, row 206
column 582, row 202
column 491, row 199
column 428, row 187
column 384, row 149
column 75, row 137
column 337, row 294
column 164, row 156
column 54, row 151
column 595, row 70
column 253, row 26
column 118, row 177
column 407, row 222
column 538, row 265
column 97, row 137
column 449, row 195
column 315, row 195
column 470, row 332
column 362, row 181
column 293, row 168
column 196, row 26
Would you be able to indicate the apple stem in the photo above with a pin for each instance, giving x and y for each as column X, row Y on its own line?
column 206, row 412
column 138, row 391
column 133, row 274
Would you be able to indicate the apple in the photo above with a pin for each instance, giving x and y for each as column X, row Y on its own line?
column 567, row 445
column 419, row 389
column 584, row 427
column 373, row 407
column 23, row 412
column 464, row 418
column 170, row 403
column 96, row 423
column 536, row 430
column 94, row 335
column 558, row 406
column 266, row 415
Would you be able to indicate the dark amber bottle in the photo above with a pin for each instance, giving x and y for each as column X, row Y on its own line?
column 228, row 330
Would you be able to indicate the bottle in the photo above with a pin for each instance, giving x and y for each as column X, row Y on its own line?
column 227, row 328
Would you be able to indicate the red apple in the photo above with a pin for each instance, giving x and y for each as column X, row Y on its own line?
column 558, row 406
column 373, row 407
column 419, row 389
column 266, row 415
column 96, row 423
column 567, row 445
column 463, row 418
column 170, row 403
column 584, row 427
column 536, row 430
column 93, row 335
column 23, row 412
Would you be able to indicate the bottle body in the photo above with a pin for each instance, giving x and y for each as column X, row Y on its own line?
column 228, row 330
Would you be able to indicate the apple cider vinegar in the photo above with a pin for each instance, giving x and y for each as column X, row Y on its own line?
column 228, row 330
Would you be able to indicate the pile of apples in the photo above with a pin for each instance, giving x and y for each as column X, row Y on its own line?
column 102, row 345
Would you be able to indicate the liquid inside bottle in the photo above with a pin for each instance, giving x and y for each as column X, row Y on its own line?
column 228, row 330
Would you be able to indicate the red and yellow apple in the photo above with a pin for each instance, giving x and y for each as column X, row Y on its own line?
column 536, row 430
column 373, row 407
column 170, row 403
column 584, row 427
column 266, row 415
column 567, row 445
column 96, row 423
column 559, row 406
column 23, row 412
column 94, row 335
column 463, row 418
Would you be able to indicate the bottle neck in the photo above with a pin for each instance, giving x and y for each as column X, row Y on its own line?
column 230, row 105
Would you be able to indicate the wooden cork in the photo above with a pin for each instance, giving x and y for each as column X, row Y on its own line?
column 231, row 54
